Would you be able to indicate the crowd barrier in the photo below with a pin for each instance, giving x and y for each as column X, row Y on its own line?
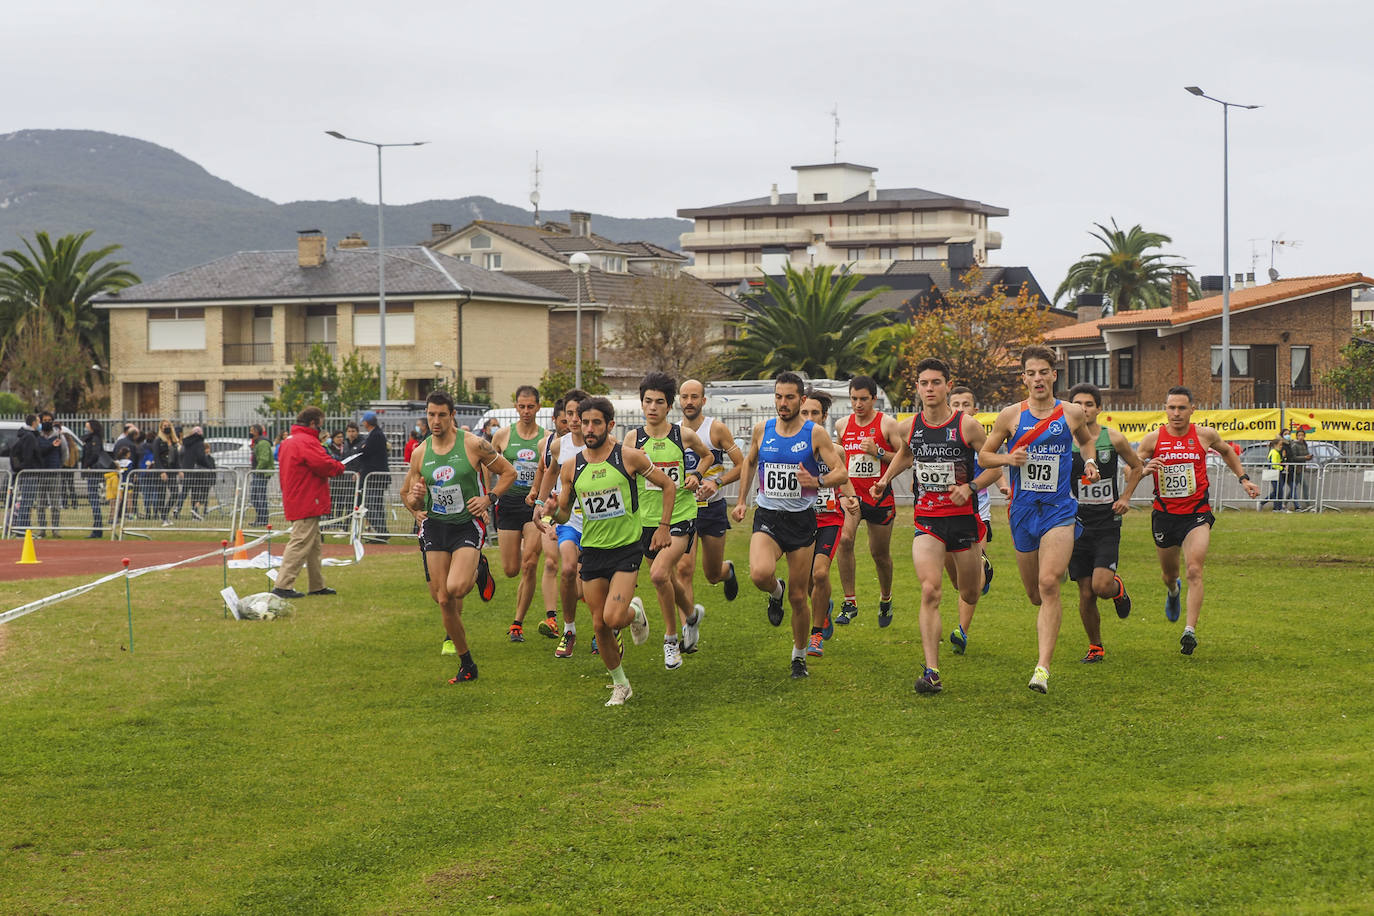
column 260, row 503
column 1346, row 486
column 384, row 516
column 198, row 501
column 50, row 502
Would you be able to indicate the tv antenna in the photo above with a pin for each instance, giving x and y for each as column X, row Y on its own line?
column 534, row 195
column 1274, row 245
column 835, row 147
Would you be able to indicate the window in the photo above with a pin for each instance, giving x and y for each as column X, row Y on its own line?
column 753, row 223
column 715, row 258
column 482, row 385
column 1092, row 368
column 1240, row 362
column 1125, row 369
column 927, row 252
column 1302, row 367
column 191, row 402
column 854, row 254
column 884, row 219
column 820, row 197
column 492, row 260
column 176, row 329
column 480, row 241
column 465, row 258
column 784, row 222
column 753, row 257
column 887, row 253
column 612, row 264
column 400, row 325
column 855, row 219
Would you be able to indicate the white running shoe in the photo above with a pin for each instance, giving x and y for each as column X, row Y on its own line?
column 1040, row 680
column 691, row 629
column 639, row 627
column 672, row 657
column 619, row 694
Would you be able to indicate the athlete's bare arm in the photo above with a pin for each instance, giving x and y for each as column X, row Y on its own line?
column 637, row 462
column 723, row 440
column 901, row 459
column 705, row 458
column 747, row 469
column 1209, row 437
column 1078, row 425
column 833, row 456
column 413, row 487
column 1135, row 470
column 485, row 456
column 547, row 481
column 976, row 437
column 1002, row 429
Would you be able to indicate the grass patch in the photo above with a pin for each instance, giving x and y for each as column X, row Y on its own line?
column 320, row 763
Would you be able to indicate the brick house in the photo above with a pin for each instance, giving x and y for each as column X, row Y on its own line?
column 215, row 339
column 1284, row 336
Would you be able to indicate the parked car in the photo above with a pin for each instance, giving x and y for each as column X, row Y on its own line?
column 230, row 453
column 9, row 434
column 1257, row 453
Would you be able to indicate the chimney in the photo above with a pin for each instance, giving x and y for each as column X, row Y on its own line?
column 959, row 256
column 580, row 223
column 1250, row 280
column 1211, row 285
column 1089, row 306
column 352, row 240
column 773, row 195
column 310, row 244
column 1178, row 290
column 1240, row 282
column 872, row 189
column 439, row 230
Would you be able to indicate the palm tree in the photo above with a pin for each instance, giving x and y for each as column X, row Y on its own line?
column 1130, row 275
column 809, row 324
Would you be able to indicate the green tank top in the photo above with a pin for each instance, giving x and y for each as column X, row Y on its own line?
column 451, row 481
column 667, row 456
column 609, row 501
column 523, row 454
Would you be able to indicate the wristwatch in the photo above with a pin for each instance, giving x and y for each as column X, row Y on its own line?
column 1243, row 477
column 881, row 453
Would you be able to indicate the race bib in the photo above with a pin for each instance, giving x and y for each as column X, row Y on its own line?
column 863, row 465
column 780, row 481
column 524, row 472
column 1096, row 494
column 825, row 499
column 1177, row 481
column 602, row 505
column 1040, row 475
column 672, row 468
column 446, row 500
column 935, row 476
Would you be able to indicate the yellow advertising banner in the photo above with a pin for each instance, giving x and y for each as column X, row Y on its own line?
column 1342, row 425
column 1242, row 425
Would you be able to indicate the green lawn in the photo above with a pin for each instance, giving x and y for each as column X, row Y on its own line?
column 322, row 764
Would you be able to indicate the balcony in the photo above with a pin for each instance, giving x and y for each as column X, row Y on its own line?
column 248, row 354
column 896, row 234
column 745, row 238
column 298, row 350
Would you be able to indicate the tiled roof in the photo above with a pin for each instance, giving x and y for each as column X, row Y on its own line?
column 887, row 195
column 551, row 243
column 349, row 273
column 1203, row 309
column 650, row 250
column 604, row 289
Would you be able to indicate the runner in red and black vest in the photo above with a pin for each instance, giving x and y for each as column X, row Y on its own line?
column 835, row 507
column 869, row 439
column 1176, row 454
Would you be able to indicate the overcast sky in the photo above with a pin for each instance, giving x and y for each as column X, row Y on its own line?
column 1065, row 113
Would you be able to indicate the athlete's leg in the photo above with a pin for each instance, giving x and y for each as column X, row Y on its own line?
column 1028, row 565
column 529, row 562
column 1056, row 546
column 1195, row 546
column 953, row 565
column 609, row 601
column 437, row 564
column 1087, row 609
column 844, row 555
column 661, row 574
column 880, row 548
column 713, row 558
column 510, row 555
column 798, row 594
column 1168, row 565
column 764, row 553
column 567, row 581
column 820, row 588
column 548, row 543
column 928, row 558
column 685, row 573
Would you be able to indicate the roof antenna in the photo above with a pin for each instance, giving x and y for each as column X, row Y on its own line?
column 534, row 195
column 835, row 148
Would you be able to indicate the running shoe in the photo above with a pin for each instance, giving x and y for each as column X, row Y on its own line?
column 486, row 585
column 619, row 694
column 885, row 612
column 516, row 633
column 565, row 646
column 958, row 638
column 1095, row 655
column 448, row 648
column 691, row 629
column 1188, row 643
column 465, row 673
column 1040, row 680
column 549, row 627
column 1123, row 604
column 987, row 574
column 775, row 607
column 1173, row 604
column 639, row 627
column 848, row 611
column 799, row 668
column 731, row 583
column 816, row 647
column 672, row 656
column 828, row 628
column 929, row 682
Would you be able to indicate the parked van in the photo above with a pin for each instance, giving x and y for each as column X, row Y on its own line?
column 741, row 404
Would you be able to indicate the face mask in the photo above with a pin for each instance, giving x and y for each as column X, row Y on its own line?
column 47, row 427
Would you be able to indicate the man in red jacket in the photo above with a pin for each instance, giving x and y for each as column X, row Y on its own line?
column 304, row 468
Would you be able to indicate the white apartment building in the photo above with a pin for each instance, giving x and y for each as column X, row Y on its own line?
column 837, row 215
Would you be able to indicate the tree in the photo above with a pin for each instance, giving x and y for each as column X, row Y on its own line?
column 980, row 335
column 1128, row 273
column 558, row 378
column 1354, row 376
column 887, row 347
column 45, row 365
column 663, row 332
column 810, row 324
column 334, row 389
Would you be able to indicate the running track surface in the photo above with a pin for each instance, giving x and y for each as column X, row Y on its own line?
column 78, row 556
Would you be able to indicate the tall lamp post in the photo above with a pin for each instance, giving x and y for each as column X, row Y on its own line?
column 381, row 253
column 579, row 263
column 452, row 372
column 1225, row 240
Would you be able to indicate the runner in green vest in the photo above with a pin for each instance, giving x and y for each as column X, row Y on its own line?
column 601, row 480
column 443, row 488
column 519, row 444
column 666, row 444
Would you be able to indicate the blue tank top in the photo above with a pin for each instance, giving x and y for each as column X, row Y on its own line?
column 779, row 457
column 1048, row 477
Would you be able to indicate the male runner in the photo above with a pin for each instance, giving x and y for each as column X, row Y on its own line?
column 712, row 518
column 1100, row 508
column 833, row 508
column 548, row 539
column 1176, row 454
column 1039, row 433
column 519, row 444
column 601, row 480
column 444, row 481
column 563, row 450
column 667, row 445
column 942, row 443
column 961, row 398
column 869, row 440
column 785, row 451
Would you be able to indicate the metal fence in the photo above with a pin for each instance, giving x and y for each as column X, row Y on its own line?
column 260, row 504
column 1346, row 486
column 384, row 515
column 49, row 502
column 202, row 501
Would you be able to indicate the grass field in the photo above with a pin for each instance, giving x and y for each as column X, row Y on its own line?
column 321, row 764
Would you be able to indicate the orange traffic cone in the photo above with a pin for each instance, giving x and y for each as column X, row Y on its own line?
column 240, row 553
column 28, row 556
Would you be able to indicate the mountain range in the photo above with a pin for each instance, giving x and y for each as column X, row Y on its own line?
column 168, row 213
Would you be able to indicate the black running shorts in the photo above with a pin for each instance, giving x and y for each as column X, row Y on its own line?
column 605, row 562
column 827, row 540
column 1170, row 529
column 959, row 532
column 713, row 520
column 1096, row 548
column 447, row 537
column 791, row 530
column 878, row 515
column 684, row 529
column 512, row 513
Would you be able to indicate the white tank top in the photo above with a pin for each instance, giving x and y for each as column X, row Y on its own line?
column 567, row 451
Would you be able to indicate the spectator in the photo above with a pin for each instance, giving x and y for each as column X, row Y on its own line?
column 257, row 482
column 71, row 459
column 167, row 462
column 305, row 472
column 52, row 450
column 124, row 462
column 196, row 460
column 276, row 446
column 336, row 447
column 352, row 439
column 418, row 433
column 374, row 461
column 1274, row 474
column 1300, row 456
column 149, row 486
column 24, row 457
column 94, row 462
column 127, row 439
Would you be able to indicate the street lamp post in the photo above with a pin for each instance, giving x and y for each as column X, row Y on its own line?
column 579, row 263
column 381, row 253
column 452, row 372
column 1225, row 240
